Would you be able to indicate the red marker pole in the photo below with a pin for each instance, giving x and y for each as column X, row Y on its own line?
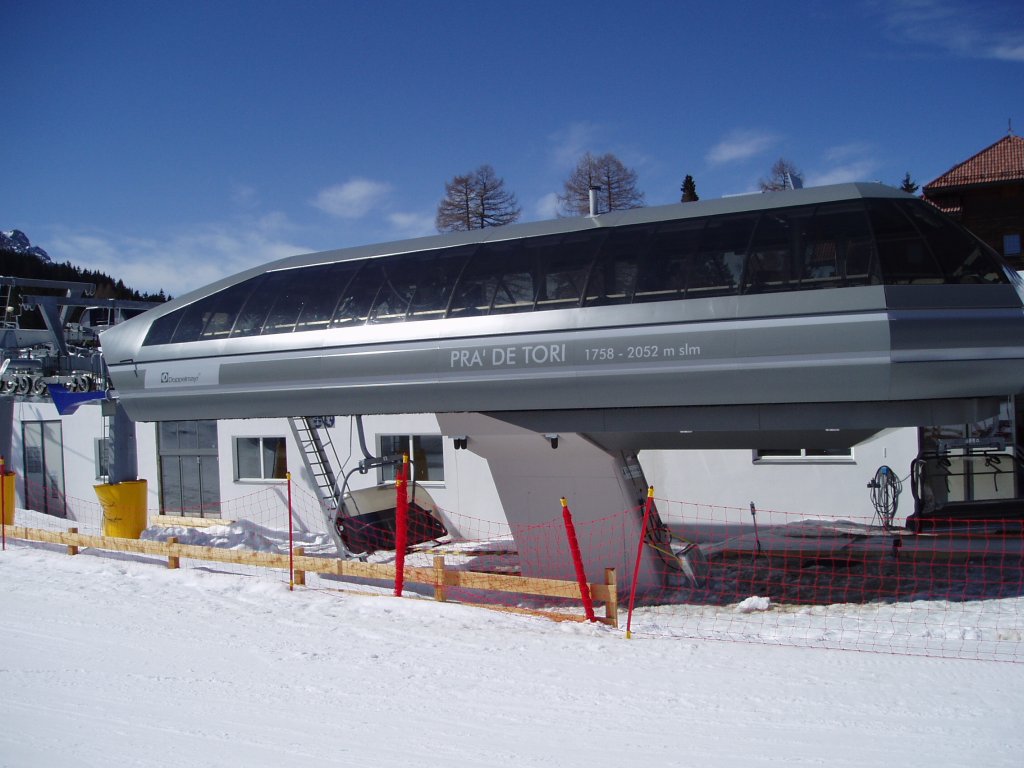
column 3, row 502
column 401, row 523
column 577, row 560
column 291, row 536
column 639, row 553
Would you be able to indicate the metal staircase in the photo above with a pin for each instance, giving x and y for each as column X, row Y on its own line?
column 320, row 458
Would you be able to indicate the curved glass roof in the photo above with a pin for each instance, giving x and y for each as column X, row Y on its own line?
column 816, row 246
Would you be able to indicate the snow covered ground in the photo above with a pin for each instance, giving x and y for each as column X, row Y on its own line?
column 113, row 661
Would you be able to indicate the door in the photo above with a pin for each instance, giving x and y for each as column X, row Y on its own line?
column 189, row 468
column 43, row 443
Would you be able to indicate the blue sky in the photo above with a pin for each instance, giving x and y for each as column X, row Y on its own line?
column 170, row 144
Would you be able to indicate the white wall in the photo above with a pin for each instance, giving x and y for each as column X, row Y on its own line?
column 795, row 489
column 730, row 480
column 78, row 431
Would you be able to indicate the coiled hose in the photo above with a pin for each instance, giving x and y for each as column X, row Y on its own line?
column 885, row 495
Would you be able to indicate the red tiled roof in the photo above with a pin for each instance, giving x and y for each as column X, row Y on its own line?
column 1003, row 161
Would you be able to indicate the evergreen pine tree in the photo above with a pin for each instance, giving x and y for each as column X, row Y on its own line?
column 689, row 190
column 908, row 185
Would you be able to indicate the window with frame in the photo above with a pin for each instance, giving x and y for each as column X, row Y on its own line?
column 426, row 456
column 767, row 455
column 1011, row 244
column 101, row 454
column 261, row 458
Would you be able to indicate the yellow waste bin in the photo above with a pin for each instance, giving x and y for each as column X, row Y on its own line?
column 124, row 508
column 7, row 481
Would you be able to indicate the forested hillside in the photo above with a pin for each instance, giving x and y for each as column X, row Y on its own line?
column 15, row 264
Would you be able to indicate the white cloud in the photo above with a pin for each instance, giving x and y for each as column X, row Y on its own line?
column 860, row 170
column 842, row 163
column 740, row 145
column 1008, row 52
column 352, row 200
column 571, row 143
column 845, row 152
column 411, row 224
column 970, row 30
column 179, row 263
column 244, row 196
column 547, row 206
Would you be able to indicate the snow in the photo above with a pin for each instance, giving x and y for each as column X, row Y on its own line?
column 754, row 603
column 116, row 660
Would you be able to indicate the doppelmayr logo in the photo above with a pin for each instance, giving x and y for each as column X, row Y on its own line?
column 168, row 378
column 196, row 373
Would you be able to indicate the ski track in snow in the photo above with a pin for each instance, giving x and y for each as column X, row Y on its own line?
column 116, row 662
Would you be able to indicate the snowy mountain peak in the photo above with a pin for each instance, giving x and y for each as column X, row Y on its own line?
column 17, row 241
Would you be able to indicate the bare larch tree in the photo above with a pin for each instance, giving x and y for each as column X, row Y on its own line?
column 783, row 175
column 474, row 201
column 618, row 189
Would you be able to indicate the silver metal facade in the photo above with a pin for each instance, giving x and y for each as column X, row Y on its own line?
column 830, row 348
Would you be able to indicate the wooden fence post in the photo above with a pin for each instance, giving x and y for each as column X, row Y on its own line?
column 299, row 574
column 439, row 594
column 611, row 608
column 172, row 560
column 72, row 548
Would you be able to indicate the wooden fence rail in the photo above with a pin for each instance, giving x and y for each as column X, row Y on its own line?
column 438, row 576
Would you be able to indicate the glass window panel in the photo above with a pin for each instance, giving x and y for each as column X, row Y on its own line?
column 170, row 484
column 188, row 435
column 275, row 458
column 193, row 321
column 359, row 295
column 254, row 311
column 101, row 449
column 321, row 288
column 394, row 445
column 435, row 276
column 289, row 289
column 226, row 306
column 479, row 280
column 802, row 453
column 1011, row 244
column 839, row 250
column 514, row 270
column 162, row 329
column 428, row 458
column 206, row 434
column 963, row 258
column 717, row 268
column 168, row 434
column 902, row 253
column 307, row 292
column 779, row 235
column 613, row 278
column 667, row 262
column 563, row 264
column 209, row 486
column 53, row 457
column 401, row 277
column 247, row 454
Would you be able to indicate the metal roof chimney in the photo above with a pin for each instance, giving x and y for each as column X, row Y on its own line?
column 594, row 189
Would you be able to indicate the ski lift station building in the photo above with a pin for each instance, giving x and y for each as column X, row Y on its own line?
column 775, row 347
